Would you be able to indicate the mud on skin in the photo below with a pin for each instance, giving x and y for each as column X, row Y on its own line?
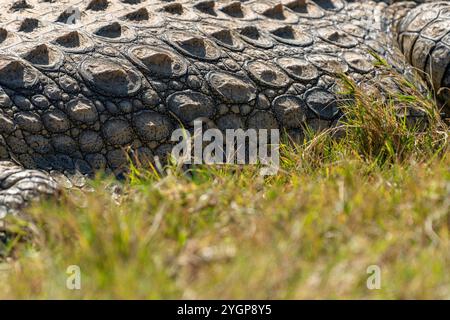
column 129, row 72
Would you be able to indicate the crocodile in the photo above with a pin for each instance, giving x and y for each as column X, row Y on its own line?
column 86, row 84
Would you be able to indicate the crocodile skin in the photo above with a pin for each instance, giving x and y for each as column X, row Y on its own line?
column 82, row 83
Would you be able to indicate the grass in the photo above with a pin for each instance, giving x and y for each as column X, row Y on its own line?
column 374, row 191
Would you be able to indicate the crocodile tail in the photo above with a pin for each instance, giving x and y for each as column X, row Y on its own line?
column 423, row 35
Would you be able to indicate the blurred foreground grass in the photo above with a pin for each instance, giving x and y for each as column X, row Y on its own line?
column 377, row 195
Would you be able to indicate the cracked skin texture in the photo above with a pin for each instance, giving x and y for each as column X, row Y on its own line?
column 77, row 90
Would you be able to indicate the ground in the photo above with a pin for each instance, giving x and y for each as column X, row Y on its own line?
column 378, row 195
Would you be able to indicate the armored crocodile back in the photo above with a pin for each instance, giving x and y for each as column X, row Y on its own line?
column 82, row 81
